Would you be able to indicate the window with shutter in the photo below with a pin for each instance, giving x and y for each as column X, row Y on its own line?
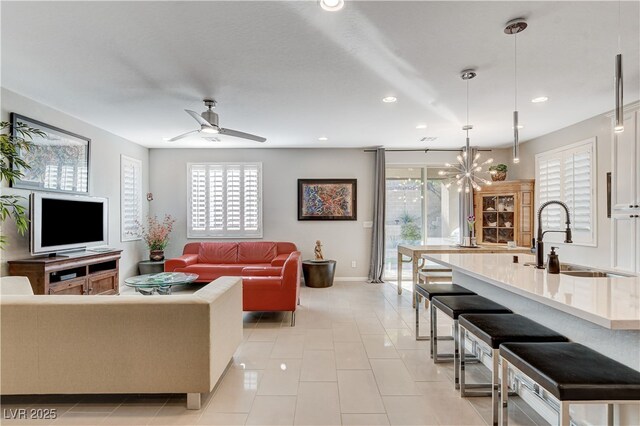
column 225, row 200
column 568, row 174
column 130, row 197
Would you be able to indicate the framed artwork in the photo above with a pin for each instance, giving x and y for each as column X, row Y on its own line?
column 327, row 199
column 59, row 160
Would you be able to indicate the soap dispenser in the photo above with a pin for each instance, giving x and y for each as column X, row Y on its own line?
column 553, row 263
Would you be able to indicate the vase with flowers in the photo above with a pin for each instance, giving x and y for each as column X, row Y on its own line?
column 156, row 234
column 471, row 221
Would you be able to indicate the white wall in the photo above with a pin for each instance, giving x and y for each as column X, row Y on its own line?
column 104, row 179
column 600, row 127
column 343, row 241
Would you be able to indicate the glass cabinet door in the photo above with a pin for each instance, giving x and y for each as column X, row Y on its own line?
column 498, row 218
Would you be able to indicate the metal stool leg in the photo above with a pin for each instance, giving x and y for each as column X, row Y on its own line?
column 417, row 304
column 504, row 392
column 565, row 416
column 456, row 355
column 434, row 333
column 495, row 375
column 470, row 389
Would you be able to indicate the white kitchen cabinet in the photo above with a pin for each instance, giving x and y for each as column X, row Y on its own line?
column 625, row 233
column 625, row 195
column 625, row 188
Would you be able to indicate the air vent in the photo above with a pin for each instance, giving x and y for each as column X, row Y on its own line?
column 212, row 139
column 428, row 139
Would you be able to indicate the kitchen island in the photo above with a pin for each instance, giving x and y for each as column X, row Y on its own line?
column 601, row 313
column 416, row 255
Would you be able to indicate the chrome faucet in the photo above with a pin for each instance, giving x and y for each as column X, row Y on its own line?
column 539, row 244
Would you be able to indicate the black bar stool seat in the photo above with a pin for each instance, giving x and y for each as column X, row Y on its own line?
column 453, row 307
column 493, row 330
column 430, row 290
column 572, row 373
column 497, row 329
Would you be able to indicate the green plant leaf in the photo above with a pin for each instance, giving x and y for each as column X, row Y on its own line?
column 11, row 169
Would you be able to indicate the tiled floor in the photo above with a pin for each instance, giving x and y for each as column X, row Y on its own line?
column 351, row 359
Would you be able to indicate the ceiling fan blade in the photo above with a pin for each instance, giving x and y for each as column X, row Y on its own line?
column 198, row 118
column 184, row 135
column 242, row 135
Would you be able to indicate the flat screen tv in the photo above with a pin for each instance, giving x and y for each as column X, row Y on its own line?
column 67, row 222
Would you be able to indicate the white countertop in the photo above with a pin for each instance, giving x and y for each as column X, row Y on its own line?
column 612, row 303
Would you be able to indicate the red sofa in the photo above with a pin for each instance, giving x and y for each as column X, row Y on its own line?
column 211, row 260
column 273, row 288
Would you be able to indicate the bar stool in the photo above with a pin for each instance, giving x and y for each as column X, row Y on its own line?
column 432, row 273
column 453, row 307
column 428, row 291
column 493, row 330
column 572, row 373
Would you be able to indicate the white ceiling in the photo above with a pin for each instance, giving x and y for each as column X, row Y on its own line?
column 291, row 72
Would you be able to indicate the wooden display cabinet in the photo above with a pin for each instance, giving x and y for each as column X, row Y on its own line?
column 504, row 212
column 81, row 274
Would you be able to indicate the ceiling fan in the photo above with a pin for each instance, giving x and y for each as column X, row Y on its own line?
column 208, row 121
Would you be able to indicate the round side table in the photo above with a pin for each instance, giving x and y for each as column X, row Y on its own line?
column 318, row 273
column 150, row 267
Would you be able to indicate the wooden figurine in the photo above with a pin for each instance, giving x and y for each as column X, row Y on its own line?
column 318, row 250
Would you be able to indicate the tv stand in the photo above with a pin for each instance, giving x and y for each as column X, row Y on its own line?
column 83, row 274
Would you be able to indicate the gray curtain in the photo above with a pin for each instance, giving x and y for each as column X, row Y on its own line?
column 376, row 267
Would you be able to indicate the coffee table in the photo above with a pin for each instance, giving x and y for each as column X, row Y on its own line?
column 161, row 283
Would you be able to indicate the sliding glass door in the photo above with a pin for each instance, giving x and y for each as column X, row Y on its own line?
column 419, row 210
column 442, row 210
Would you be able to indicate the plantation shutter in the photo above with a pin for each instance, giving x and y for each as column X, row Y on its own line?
column 549, row 182
column 225, row 200
column 130, row 198
column 568, row 175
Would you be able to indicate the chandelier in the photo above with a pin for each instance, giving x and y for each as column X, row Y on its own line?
column 468, row 172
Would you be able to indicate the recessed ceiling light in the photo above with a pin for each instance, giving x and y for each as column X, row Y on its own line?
column 421, row 126
column 332, row 5
column 166, row 139
column 323, row 138
column 389, row 99
column 539, row 99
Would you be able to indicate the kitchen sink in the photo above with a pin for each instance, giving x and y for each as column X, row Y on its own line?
column 574, row 268
column 592, row 274
column 585, row 271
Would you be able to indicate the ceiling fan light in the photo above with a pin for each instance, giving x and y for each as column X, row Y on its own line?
column 209, row 129
column 331, row 5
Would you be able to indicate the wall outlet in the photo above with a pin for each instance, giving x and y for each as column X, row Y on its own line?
column 353, row 263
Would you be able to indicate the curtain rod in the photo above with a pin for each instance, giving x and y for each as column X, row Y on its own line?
column 425, row 150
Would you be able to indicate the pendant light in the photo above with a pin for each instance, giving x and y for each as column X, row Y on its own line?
column 514, row 27
column 466, row 174
column 619, row 113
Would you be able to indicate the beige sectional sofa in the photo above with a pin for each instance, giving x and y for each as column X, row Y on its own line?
column 120, row 344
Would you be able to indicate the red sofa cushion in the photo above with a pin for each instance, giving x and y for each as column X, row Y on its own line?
column 207, row 272
column 273, row 293
column 217, row 253
column 257, row 252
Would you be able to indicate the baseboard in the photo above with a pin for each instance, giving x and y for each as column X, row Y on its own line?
column 350, row 279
